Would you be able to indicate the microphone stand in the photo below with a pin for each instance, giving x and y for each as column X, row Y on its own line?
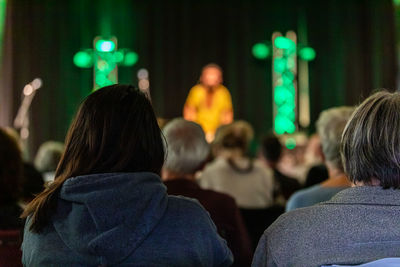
column 22, row 119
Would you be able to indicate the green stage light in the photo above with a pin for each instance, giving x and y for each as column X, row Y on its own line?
column 118, row 56
column 290, row 128
column 290, row 143
column 284, row 43
column 105, row 45
column 83, row 59
column 279, row 65
column 286, row 110
column 280, row 95
column 130, row 59
column 307, row 53
column 260, row 51
column 287, row 77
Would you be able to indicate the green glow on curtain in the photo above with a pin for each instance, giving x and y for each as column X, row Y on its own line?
column 3, row 4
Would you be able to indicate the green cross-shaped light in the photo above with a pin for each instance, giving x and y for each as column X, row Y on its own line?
column 285, row 52
column 105, row 58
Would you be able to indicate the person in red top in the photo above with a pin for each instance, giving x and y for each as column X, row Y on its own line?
column 187, row 152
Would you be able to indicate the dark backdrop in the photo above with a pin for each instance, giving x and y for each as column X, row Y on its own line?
column 354, row 41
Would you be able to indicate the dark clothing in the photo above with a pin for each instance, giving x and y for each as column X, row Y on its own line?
column 358, row 225
column 223, row 212
column 316, row 175
column 284, row 185
column 9, row 217
column 124, row 219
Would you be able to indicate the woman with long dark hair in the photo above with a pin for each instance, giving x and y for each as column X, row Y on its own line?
column 107, row 204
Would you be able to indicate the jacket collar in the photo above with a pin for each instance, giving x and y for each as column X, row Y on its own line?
column 367, row 195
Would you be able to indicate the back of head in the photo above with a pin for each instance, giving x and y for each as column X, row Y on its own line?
column 271, row 148
column 187, row 146
column 330, row 126
column 371, row 141
column 48, row 156
column 234, row 136
column 115, row 130
column 10, row 169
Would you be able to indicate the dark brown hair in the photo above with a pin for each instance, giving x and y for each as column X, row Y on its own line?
column 115, row 130
column 10, row 169
column 370, row 146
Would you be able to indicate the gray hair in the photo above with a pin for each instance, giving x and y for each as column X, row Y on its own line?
column 371, row 141
column 330, row 126
column 187, row 146
column 48, row 156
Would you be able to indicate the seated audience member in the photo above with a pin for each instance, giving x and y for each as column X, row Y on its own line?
column 249, row 182
column 330, row 125
column 10, row 182
column 107, row 204
column 10, row 192
column 48, row 157
column 359, row 224
column 187, row 152
column 314, row 158
column 32, row 184
column 284, row 186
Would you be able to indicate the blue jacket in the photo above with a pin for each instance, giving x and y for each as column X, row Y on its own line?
column 125, row 219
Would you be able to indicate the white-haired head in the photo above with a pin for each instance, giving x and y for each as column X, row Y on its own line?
column 48, row 156
column 187, row 146
column 330, row 126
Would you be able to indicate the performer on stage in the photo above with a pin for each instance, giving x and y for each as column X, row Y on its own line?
column 209, row 103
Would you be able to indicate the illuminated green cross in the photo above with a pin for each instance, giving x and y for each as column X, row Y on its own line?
column 104, row 58
column 284, row 71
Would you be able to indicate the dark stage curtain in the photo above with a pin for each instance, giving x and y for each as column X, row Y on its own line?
column 354, row 41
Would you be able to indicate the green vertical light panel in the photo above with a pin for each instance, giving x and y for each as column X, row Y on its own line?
column 3, row 6
column 284, row 83
column 105, row 65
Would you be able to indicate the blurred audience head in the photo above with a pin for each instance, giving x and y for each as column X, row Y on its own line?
column 371, row 142
column 271, row 149
column 187, row 147
column 313, row 153
column 48, row 156
column 330, row 126
column 10, row 169
column 232, row 138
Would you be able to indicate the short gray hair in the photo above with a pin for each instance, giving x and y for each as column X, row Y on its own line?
column 187, row 146
column 371, row 141
column 48, row 156
column 330, row 126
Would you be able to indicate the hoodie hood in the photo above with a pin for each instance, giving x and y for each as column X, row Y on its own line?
column 108, row 216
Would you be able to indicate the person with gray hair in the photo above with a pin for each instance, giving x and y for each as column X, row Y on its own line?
column 330, row 126
column 188, row 151
column 359, row 224
column 47, row 158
